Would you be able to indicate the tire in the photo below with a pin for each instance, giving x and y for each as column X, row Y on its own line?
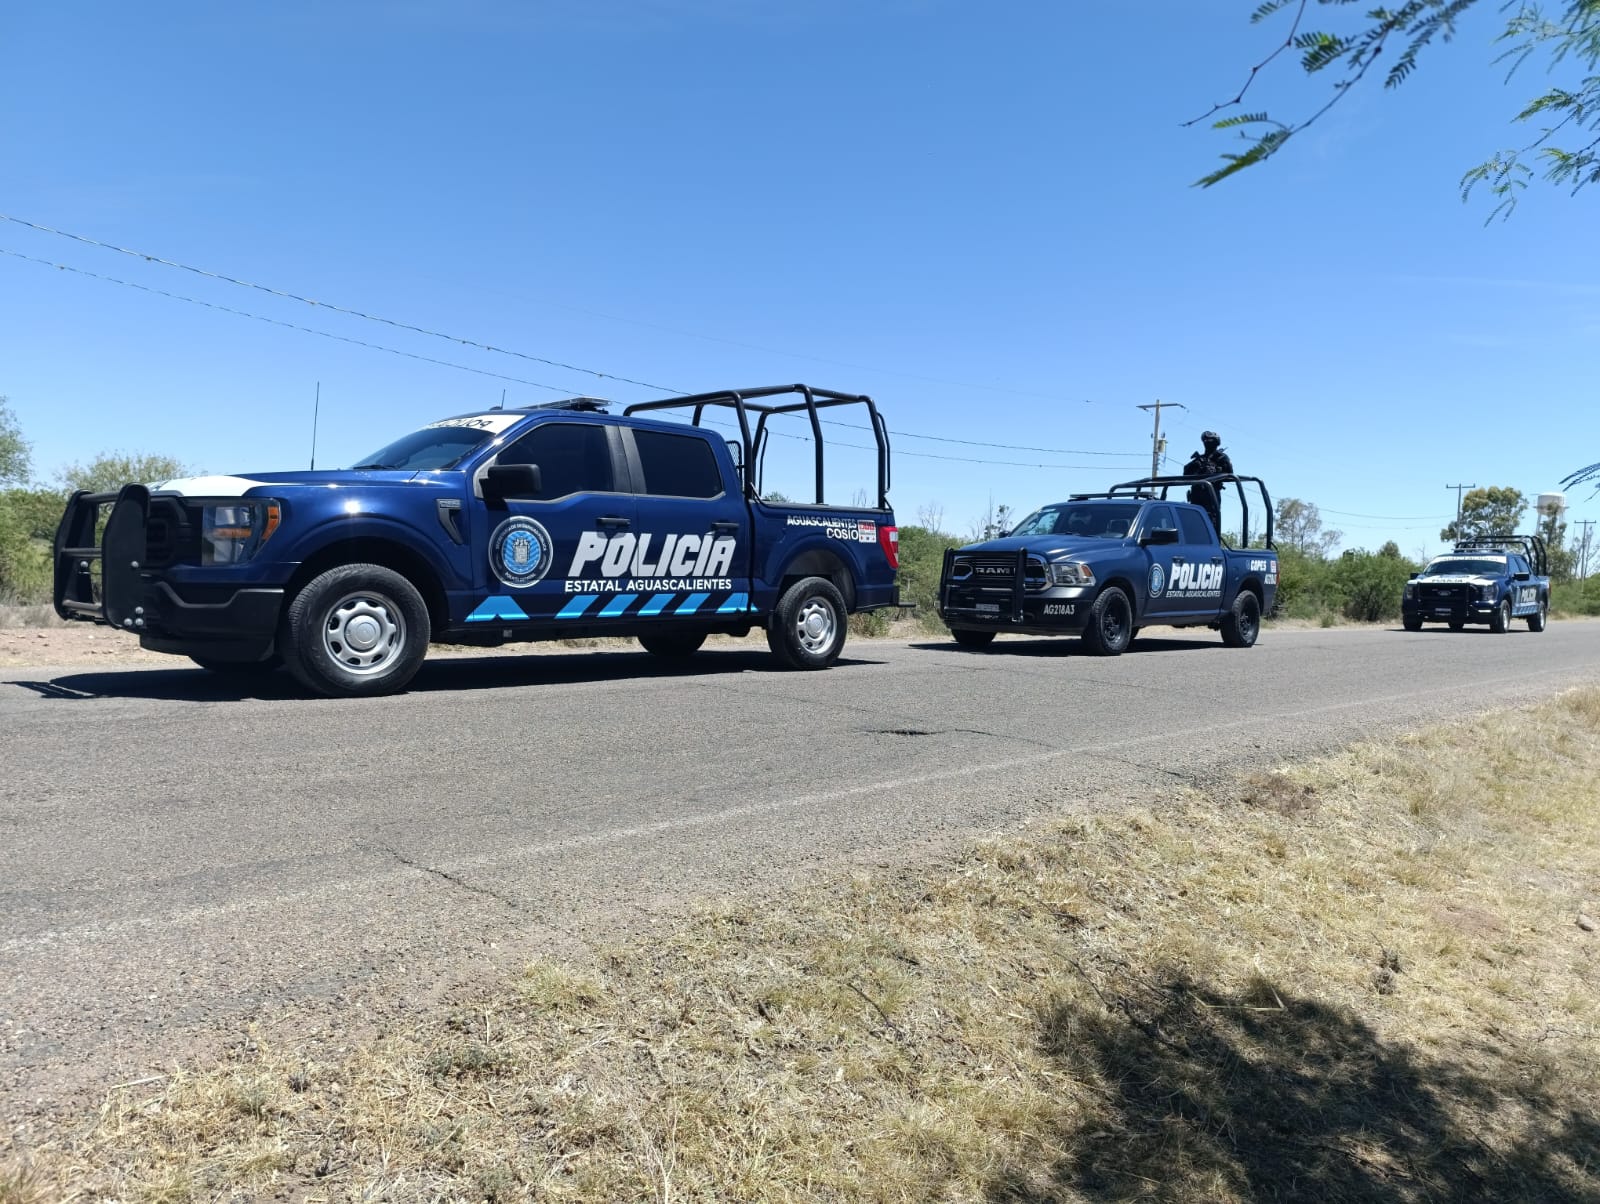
column 673, row 645
column 355, row 631
column 808, row 626
column 240, row 669
column 1110, row 627
column 1539, row 618
column 973, row 639
column 1242, row 624
column 1501, row 619
column 1412, row 623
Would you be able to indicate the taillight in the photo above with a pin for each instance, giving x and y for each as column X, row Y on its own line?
column 889, row 541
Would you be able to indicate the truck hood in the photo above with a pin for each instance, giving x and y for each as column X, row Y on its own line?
column 239, row 486
column 1051, row 547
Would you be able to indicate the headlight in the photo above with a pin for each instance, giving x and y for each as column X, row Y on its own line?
column 231, row 533
column 1071, row 572
column 1411, row 590
column 1488, row 591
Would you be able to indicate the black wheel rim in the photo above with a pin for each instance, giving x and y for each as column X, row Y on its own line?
column 1114, row 623
column 1247, row 622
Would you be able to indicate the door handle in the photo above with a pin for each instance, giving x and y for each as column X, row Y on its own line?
column 725, row 528
column 1216, row 560
column 613, row 520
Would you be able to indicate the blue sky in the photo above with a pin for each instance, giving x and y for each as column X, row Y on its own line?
column 980, row 215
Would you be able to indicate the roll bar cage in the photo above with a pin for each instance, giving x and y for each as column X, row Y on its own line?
column 1155, row 489
column 745, row 402
column 1531, row 546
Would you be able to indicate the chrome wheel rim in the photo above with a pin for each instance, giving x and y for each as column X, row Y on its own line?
column 364, row 633
column 816, row 625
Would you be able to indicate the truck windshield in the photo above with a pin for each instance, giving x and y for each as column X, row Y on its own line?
column 439, row 445
column 1082, row 520
column 1468, row 566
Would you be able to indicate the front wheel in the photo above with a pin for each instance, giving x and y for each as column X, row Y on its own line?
column 355, row 630
column 673, row 645
column 973, row 639
column 807, row 627
column 1540, row 617
column 1501, row 619
column 1412, row 623
column 1242, row 624
column 1110, row 627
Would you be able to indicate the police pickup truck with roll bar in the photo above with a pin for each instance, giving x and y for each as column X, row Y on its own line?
column 1490, row 579
column 545, row 522
column 1103, row 565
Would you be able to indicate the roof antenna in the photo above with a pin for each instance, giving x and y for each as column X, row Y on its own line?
column 315, row 408
column 502, row 404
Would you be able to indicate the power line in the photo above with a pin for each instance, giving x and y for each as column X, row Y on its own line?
column 465, row 342
column 338, row 309
column 410, row 355
column 1395, row 517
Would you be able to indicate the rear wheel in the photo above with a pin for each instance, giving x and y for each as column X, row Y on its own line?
column 673, row 645
column 359, row 629
column 1501, row 619
column 1412, row 623
column 1538, row 618
column 1242, row 624
column 807, row 627
column 973, row 639
column 1110, row 627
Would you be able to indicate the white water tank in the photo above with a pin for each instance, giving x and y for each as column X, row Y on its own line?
column 1551, row 504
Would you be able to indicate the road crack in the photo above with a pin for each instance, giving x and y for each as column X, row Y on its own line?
column 456, row 881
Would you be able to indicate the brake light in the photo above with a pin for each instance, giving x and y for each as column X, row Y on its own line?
column 889, row 541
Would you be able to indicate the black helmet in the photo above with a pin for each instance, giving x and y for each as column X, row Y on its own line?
column 1210, row 437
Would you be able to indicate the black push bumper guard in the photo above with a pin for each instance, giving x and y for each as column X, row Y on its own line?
column 1014, row 613
column 130, row 594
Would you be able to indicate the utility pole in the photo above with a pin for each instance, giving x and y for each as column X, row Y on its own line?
column 1583, row 552
column 1459, row 490
column 1155, row 438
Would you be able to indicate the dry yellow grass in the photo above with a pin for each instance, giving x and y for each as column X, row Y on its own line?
column 1364, row 978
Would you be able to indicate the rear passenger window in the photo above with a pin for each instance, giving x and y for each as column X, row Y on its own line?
column 572, row 458
column 677, row 465
column 1196, row 527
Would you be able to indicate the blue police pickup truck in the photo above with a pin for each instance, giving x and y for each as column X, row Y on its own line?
column 1104, row 565
column 1492, row 580
column 547, row 522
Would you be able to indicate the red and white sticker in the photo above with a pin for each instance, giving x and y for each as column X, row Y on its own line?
column 866, row 531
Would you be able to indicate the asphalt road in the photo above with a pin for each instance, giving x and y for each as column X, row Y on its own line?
column 180, row 859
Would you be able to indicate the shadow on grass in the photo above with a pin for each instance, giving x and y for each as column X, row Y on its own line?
column 437, row 675
column 1266, row 1096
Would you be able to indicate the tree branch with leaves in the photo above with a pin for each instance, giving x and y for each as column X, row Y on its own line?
column 1568, row 42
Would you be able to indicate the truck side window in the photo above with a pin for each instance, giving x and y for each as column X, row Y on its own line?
column 572, row 458
column 1157, row 516
column 677, row 465
column 1196, row 527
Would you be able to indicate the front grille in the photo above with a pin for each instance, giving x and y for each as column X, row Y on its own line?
column 1446, row 593
column 172, row 534
column 997, row 571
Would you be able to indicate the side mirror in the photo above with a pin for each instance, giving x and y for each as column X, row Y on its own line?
column 1159, row 535
column 1523, row 576
column 512, row 481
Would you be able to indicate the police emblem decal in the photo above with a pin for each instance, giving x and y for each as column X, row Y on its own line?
column 520, row 552
column 1158, row 580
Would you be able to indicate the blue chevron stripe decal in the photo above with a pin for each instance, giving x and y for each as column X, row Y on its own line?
column 657, row 604
column 691, row 604
column 735, row 602
column 617, row 605
column 577, row 606
column 497, row 607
